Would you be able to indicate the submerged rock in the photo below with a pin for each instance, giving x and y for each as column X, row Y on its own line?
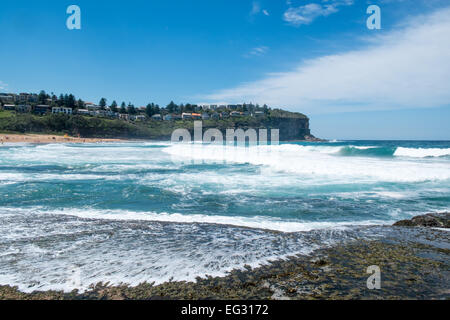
column 435, row 220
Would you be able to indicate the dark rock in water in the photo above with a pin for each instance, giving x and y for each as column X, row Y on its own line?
column 435, row 220
column 311, row 138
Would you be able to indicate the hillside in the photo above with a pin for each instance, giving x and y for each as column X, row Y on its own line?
column 293, row 126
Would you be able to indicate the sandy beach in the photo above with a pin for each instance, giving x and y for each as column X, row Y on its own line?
column 43, row 138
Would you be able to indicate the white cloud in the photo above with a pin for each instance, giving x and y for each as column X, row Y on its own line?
column 408, row 68
column 3, row 85
column 306, row 14
column 265, row 12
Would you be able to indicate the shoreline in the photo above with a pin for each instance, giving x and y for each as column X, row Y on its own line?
column 412, row 270
column 409, row 271
column 50, row 138
column 37, row 138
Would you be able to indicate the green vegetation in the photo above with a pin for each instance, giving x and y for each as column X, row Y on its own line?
column 73, row 125
column 97, row 127
column 127, row 121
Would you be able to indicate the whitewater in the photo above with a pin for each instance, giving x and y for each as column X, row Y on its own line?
column 155, row 211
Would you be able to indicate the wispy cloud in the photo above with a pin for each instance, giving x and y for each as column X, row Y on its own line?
column 257, row 9
column 306, row 14
column 3, row 85
column 407, row 68
column 257, row 51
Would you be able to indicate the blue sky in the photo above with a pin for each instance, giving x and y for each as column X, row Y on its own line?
column 316, row 57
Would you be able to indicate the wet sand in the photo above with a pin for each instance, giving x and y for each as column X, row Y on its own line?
column 44, row 138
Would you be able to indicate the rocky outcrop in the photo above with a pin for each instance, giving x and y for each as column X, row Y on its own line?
column 291, row 128
column 436, row 220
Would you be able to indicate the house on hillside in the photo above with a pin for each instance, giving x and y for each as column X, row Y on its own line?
column 9, row 107
column 23, row 108
column 186, row 116
column 6, row 98
column 83, row 111
column 91, row 106
column 196, row 116
column 27, row 98
column 215, row 116
column 41, row 109
column 205, row 116
column 157, row 117
column 63, row 110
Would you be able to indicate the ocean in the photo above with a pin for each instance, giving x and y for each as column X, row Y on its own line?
column 76, row 214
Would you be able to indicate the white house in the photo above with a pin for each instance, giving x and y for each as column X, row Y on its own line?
column 64, row 110
column 91, row 106
column 83, row 111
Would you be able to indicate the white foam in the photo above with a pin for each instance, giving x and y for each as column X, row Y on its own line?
column 421, row 152
column 314, row 162
column 256, row 222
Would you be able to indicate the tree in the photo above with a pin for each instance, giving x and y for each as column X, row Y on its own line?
column 102, row 103
column 149, row 109
column 42, row 97
column 80, row 104
column 131, row 109
column 70, row 101
column 123, row 108
column 171, row 107
column 114, row 106
column 60, row 101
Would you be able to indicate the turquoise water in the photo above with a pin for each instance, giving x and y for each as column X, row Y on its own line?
column 152, row 211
